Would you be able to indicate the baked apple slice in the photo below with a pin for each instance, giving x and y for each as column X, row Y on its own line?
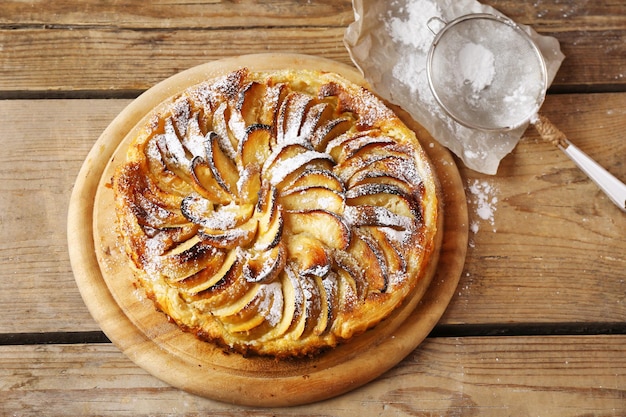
column 205, row 183
column 247, row 317
column 225, row 138
column 377, row 216
column 349, row 269
column 310, row 257
column 325, row 226
column 222, row 166
column 389, row 196
column 193, row 140
column 298, row 300
column 249, row 184
column 188, row 259
column 328, row 130
column 228, row 270
column 312, row 304
column 264, row 266
column 288, row 160
column 172, row 152
column 391, row 248
column 397, row 162
column 314, row 198
column 248, row 102
column 313, row 116
column 255, row 149
column 290, row 118
column 315, row 177
column 365, row 248
column 367, row 176
column 270, row 218
column 240, row 236
column 329, row 298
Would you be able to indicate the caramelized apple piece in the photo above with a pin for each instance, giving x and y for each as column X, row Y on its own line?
column 328, row 290
column 349, row 268
column 247, row 316
column 270, row 217
column 372, row 175
column 241, row 236
column 193, row 140
column 206, row 184
column 290, row 117
column 310, row 257
column 289, row 159
column 366, row 249
column 313, row 198
column 391, row 248
column 255, row 149
column 224, row 169
column 329, row 130
column 377, row 216
column 325, row 226
column 312, row 177
column 249, row 184
column 272, row 100
column 225, row 138
column 250, row 102
column 312, row 304
column 383, row 195
column 264, row 266
column 188, row 259
column 228, row 270
column 172, row 151
column 298, row 321
column 313, row 116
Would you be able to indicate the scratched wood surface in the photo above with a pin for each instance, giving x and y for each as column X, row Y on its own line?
column 538, row 322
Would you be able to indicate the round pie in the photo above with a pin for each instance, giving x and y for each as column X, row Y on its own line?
column 277, row 213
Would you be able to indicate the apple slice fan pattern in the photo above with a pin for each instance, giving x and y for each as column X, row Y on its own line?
column 277, row 213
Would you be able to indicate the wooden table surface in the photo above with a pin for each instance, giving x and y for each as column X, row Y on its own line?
column 537, row 326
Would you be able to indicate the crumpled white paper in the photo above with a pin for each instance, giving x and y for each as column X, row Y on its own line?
column 384, row 61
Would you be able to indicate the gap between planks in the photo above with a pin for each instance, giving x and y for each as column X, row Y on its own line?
column 440, row 331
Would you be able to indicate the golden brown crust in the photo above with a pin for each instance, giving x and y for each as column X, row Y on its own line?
column 277, row 213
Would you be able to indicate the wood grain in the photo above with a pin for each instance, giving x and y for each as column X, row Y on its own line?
column 201, row 14
column 517, row 376
column 87, row 48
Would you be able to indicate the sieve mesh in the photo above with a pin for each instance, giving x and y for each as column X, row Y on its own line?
column 486, row 72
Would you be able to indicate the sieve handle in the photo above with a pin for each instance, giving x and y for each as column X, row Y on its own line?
column 612, row 187
column 435, row 24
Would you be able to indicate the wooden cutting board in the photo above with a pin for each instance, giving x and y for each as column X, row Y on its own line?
column 130, row 320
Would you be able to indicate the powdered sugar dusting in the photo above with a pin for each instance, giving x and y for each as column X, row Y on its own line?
column 272, row 305
column 286, row 166
column 413, row 29
column 483, row 195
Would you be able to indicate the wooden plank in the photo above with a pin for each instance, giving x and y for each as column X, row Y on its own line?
column 43, row 148
column 561, row 16
column 51, row 50
column 558, row 253
column 211, row 14
column 104, row 61
column 201, row 14
column 554, row 243
column 520, row 376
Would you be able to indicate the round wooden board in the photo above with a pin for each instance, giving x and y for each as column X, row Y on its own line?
column 131, row 322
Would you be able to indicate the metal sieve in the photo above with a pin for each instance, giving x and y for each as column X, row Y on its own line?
column 485, row 71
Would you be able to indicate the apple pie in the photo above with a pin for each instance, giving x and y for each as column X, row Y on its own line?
column 277, row 213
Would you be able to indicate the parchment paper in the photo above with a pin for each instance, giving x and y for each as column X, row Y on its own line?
column 378, row 55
